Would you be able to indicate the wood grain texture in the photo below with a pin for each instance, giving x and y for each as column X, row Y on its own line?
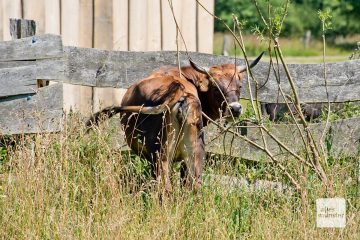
column 205, row 27
column 137, row 25
column 18, row 80
column 120, row 36
column 11, row 9
column 1, row 20
column 86, row 24
column 168, row 33
column 120, row 25
column 14, row 64
column 35, row 10
column 70, row 31
column 153, row 25
column 103, row 39
column 21, row 28
column 103, row 35
column 77, row 30
column 70, row 20
column 31, row 48
column 42, row 112
column 86, row 40
column 187, row 20
column 52, row 16
column 343, row 137
column 120, row 69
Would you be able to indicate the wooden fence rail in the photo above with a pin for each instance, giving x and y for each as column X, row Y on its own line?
column 102, row 68
column 27, row 60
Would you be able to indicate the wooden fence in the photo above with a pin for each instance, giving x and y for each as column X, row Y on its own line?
column 124, row 25
column 25, row 108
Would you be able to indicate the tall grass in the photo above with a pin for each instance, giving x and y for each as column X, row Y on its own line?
column 73, row 185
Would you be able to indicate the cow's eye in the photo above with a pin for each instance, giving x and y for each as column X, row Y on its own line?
column 217, row 92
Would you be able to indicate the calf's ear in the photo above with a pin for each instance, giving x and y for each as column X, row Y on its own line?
column 202, row 82
column 204, row 70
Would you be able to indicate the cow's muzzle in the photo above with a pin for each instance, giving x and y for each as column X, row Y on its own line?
column 235, row 108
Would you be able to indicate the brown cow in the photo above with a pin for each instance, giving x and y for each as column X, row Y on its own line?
column 162, row 114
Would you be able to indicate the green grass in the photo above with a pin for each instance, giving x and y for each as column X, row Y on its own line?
column 293, row 49
column 73, row 185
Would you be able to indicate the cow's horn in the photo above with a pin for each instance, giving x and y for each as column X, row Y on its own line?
column 204, row 70
column 252, row 64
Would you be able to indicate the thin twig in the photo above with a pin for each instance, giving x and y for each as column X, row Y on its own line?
column 274, row 160
column 327, row 92
column 277, row 76
column 313, row 147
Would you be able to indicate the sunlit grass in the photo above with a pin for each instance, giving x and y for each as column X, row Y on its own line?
column 77, row 185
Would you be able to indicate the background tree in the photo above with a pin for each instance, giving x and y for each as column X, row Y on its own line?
column 302, row 15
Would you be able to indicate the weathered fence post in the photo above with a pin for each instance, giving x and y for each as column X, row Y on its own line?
column 21, row 28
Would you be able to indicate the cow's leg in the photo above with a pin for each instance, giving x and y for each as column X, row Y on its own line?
column 183, row 173
column 165, row 172
column 195, row 162
column 166, row 153
column 192, row 144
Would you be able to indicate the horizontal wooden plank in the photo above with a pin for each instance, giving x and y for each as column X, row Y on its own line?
column 30, row 48
column 18, row 80
column 343, row 137
column 102, row 68
column 14, row 64
column 42, row 112
column 230, row 183
column 343, row 82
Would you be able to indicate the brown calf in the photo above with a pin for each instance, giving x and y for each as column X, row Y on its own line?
column 162, row 115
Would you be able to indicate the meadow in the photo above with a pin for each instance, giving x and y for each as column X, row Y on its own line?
column 79, row 185
column 293, row 48
column 74, row 185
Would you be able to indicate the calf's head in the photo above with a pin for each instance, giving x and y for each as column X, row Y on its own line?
column 221, row 86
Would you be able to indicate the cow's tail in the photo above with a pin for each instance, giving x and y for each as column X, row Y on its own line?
column 103, row 114
column 108, row 112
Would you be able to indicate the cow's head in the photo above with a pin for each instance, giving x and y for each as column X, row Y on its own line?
column 222, row 85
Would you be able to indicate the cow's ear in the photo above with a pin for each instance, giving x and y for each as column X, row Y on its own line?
column 204, row 84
